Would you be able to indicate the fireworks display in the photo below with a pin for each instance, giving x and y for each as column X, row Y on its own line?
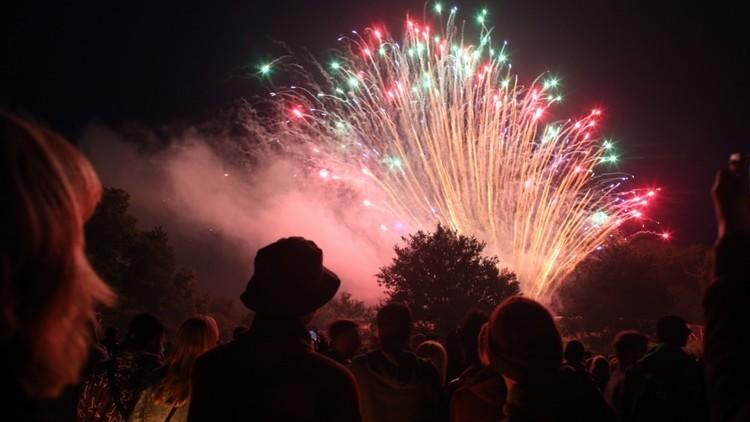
column 435, row 128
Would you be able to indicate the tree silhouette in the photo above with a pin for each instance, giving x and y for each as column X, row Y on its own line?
column 443, row 275
column 344, row 306
column 630, row 284
column 140, row 265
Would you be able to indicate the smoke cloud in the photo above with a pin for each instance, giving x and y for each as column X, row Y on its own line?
column 219, row 209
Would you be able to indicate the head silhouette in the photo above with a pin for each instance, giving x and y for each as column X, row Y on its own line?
column 394, row 326
column 575, row 353
column 672, row 330
column 469, row 333
column 523, row 341
column 145, row 333
column 344, row 337
column 434, row 352
column 629, row 347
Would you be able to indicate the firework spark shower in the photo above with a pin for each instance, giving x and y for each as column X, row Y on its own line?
column 436, row 128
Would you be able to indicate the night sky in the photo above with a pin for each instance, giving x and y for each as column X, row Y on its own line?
column 672, row 77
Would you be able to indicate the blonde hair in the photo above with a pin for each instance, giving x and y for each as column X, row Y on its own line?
column 436, row 354
column 196, row 336
column 483, row 342
column 48, row 290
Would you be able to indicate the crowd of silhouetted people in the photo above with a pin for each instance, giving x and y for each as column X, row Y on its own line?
column 509, row 365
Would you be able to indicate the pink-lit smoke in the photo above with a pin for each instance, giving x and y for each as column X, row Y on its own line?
column 219, row 209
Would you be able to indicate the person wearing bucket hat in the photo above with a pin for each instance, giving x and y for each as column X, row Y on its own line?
column 526, row 349
column 290, row 279
column 271, row 372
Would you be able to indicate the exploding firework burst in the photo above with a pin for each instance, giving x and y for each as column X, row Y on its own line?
column 436, row 128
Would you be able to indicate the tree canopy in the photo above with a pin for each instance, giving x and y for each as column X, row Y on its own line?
column 442, row 275
column 344, row 306
column 630, row 284
column 140, row 265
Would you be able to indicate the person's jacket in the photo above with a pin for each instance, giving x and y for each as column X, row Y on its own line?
column 726, row 306
column 110, row 393
column 398, row 387
column 479, row 396
column 665, row 385
column 567, row 396
column 271, row 373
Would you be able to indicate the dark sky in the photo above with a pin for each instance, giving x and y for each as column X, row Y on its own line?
column 672, row 76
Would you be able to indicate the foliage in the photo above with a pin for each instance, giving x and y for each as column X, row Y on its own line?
column 443, row 275
column 343, row 306
column 140, row 265
column 629, row 285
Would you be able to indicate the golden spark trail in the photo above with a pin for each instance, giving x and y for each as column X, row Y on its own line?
column 438, row 129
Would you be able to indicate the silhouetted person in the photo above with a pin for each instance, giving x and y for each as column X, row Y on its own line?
column 726, row 303
column 416, row 340
column 630, row 346
column 435, row 353
column 48, row 290
column 238, row 332
column 667, row 383
column 271, row 373
column 394, row 384
column 526, row 348
column 168, row 397
column 456, row 360
column 468, row 333
column 112, row 390
column 110, row 340
column 344, row 342
column 575, row 355
column 599, row 370
column 480, row 392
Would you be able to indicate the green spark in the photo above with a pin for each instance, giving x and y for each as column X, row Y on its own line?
column 393, row 163
column 609, row 159
column 438, row 8
column 598, row 218
column 340, row 127
column 335, row 65
column 550, row 133
column 550, row 83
